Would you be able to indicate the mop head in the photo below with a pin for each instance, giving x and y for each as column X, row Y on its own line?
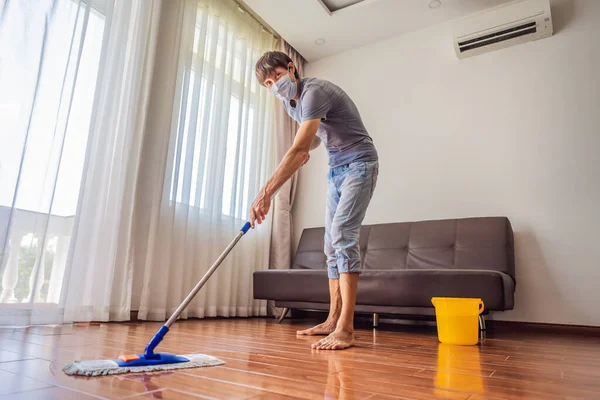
column 139, row 363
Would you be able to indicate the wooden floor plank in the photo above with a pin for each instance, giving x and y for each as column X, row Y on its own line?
column 9, row 356
column 11, row 383
column 178, row 381
column 50, row 393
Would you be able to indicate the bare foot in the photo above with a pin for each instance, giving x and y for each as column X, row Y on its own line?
column 337, row 340
column 322, row 329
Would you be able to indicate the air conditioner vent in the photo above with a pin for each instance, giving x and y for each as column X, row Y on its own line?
column 506, row 25
column 497, row 37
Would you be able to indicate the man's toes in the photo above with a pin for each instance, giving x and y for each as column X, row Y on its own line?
column 341, row 346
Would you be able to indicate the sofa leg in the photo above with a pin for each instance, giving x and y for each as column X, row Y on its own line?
column 284, row 313
column 375, row 320
column 482, row 323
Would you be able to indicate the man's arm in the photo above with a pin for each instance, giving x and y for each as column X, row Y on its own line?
column 295, row 157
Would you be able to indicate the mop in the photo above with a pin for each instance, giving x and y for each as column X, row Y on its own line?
column 151, row 361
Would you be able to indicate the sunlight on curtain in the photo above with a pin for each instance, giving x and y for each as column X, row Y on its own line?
column 220, row 153
column 49, row 57
column 98, row 283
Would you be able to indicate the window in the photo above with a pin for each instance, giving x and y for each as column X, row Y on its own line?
column 217, row 149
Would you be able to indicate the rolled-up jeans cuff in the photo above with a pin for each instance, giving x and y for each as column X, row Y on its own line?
column 345, row 266
column 332, row 273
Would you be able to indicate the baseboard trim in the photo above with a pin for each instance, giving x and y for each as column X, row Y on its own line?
column 519, row 326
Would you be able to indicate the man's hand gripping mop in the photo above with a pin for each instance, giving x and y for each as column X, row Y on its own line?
column 151, row 361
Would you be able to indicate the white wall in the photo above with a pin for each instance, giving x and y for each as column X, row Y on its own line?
column 514, row 132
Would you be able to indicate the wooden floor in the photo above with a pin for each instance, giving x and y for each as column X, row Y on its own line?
column 265, row 360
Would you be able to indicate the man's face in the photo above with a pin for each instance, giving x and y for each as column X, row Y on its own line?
column 278, row 73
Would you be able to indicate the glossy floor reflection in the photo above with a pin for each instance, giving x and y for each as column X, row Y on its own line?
column 453, row 358
column 266, row 360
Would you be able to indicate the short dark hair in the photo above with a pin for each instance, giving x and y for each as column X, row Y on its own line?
column 271, row 60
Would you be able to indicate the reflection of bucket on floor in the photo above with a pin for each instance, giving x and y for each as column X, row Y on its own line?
column 459, row 369
column 457, row 319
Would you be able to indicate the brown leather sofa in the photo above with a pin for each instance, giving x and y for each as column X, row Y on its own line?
column 405, row 265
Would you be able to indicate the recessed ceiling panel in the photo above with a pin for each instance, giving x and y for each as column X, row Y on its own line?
column 334, row 5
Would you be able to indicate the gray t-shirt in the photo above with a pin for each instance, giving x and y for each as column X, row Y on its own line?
column 341, row 129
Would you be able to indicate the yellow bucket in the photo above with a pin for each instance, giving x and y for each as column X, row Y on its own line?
column 457, row 319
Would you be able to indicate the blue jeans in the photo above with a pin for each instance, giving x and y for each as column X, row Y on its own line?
column 349, row 191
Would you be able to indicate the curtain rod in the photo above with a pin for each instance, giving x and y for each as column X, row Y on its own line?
column 244, row 8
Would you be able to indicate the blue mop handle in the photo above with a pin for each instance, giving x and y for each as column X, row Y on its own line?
column 158, row 337
column 246, row 227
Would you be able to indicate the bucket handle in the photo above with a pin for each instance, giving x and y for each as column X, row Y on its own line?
column 481, row 306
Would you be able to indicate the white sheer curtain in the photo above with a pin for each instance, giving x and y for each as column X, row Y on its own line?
column 73, row 81
column 100, row 282
column 218, row 153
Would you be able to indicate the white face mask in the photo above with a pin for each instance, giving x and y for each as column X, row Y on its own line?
column 284, row 88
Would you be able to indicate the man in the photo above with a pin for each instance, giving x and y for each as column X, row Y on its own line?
column 325, row 112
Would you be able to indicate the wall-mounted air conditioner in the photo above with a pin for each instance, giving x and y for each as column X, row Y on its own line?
column 502, row 26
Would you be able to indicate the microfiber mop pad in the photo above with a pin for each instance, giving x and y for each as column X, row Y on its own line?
column 131, row 364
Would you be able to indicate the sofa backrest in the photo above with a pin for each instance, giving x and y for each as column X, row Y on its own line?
column 468, row 243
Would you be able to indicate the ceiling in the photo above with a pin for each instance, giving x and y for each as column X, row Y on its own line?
column 356, row 22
